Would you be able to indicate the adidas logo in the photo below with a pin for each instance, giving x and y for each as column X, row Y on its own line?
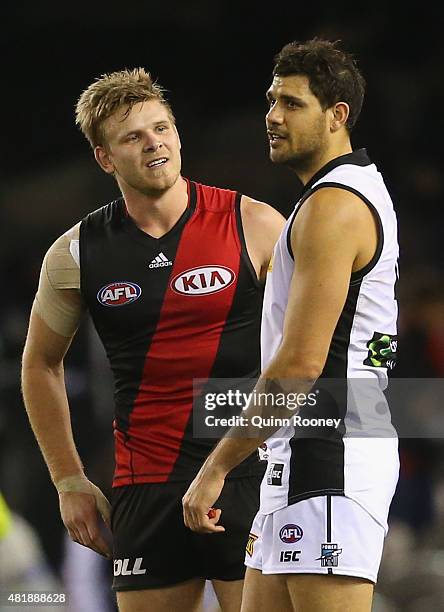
column 160, row 261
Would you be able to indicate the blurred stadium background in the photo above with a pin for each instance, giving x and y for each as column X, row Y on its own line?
column 215, row 59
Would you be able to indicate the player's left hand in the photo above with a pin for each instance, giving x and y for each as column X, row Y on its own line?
column 198, row 512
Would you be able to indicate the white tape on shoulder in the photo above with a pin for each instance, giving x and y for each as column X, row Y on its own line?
column 74, row 249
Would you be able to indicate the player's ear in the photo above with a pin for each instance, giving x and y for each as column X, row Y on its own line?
column 103, row 159
column 339, row 115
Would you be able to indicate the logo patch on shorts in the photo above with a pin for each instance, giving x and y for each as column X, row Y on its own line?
column 289, row 534
column 274, row 474
column 289, row 556
column 124, row 567
column 329, row 555
column 250, row 544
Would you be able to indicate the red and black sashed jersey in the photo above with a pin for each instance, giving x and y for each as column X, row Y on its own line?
column 170, row 310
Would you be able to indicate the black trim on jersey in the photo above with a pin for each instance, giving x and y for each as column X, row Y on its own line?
column 290, row 225
column 319, row 468
column 355, row 158
column 396, row 293
column 317, row 493
column 240, row 230
column 192, row 195
column 334, row 366
column 320, row 459
column 358, row 275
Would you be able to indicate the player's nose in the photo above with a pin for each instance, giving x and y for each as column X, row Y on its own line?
column 151, row 143
column 274, row 116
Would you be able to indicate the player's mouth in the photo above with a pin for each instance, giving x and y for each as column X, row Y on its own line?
column 274, row 137
column 157, row 163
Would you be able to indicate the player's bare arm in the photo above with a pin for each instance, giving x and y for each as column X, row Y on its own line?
column 334, row 234
column 262, row 226
column 45, row 397
column 46, row 403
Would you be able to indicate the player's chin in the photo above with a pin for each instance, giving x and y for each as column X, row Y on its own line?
column 161, row 182
column 277, row 157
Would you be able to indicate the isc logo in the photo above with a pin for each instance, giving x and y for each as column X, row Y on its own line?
column 289, row 555
column 289, row 534
column 203, row 280
column 119, row 293
column 274, row 474
column 121, row 567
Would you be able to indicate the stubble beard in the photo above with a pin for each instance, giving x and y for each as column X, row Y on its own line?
column 153, row 187
column 301, row 162
column 308, row 154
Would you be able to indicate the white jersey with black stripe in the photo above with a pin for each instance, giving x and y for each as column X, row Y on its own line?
column 360, row 462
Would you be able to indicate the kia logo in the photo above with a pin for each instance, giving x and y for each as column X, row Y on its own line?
column 203, row 280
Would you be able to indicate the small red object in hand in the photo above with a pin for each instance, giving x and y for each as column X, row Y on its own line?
column 211, row 513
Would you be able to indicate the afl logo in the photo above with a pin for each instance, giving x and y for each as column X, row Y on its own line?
column 119, row 294
column 290, row 534
column 203, row 280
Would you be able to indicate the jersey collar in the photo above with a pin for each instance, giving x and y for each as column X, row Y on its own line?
column 356, row 158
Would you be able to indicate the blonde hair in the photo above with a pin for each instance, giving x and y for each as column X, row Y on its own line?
column 110, row 92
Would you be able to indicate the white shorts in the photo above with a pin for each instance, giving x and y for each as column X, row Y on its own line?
column 321, row 535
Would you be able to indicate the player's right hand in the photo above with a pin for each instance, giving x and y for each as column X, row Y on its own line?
column 86, row 514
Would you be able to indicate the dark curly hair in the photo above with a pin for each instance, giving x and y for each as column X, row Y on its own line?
column 332, row 73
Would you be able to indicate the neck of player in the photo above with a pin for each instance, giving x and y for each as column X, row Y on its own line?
column 157, row 213
column 340, row 146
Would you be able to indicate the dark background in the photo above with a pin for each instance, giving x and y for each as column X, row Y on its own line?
column 215, row 59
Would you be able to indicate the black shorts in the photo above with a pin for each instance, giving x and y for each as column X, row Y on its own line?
column 153, row 548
